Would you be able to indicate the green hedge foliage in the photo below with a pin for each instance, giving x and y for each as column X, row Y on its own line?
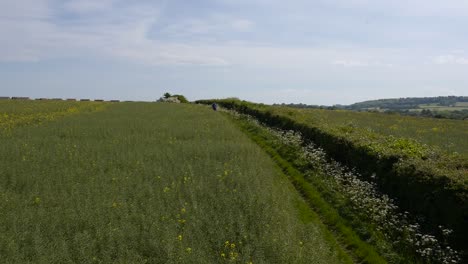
column 424, row 181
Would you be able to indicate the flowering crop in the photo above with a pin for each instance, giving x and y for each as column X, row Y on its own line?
column 25, row 113
column 147, row 183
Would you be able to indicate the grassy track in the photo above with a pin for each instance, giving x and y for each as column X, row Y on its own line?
column 361, row 251
column 154, row 183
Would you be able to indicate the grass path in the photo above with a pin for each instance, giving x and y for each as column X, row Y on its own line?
column 150, row 183
column 360, row 250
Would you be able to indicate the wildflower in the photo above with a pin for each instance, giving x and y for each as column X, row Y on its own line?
column 223, row 255
column 179, row 237
column 166, row 189
column 183, row 210
column 37, row 200
column 189, row 250
column 233, row 255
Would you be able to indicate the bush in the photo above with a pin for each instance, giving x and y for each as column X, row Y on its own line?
column 181, row 98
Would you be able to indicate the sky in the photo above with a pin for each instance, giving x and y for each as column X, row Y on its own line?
column 299, row 51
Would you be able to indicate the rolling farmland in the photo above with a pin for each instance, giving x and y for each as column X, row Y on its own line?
column 447, row 135
column 146, row 183
column 135, row 182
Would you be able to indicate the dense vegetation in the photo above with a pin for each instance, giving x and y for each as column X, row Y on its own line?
column 425, row 179
column 354, row 208
column 146, row 183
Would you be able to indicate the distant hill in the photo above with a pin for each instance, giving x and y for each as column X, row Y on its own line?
column 453, row 107
column 413, row 103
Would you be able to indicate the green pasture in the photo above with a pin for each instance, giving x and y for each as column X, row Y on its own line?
column 447, row 135
column 436, row 107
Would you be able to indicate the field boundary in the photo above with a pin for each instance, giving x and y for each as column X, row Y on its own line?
column 419, row 187
column 347, row 238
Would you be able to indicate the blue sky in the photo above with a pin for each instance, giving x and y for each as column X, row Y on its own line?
column 315, row 52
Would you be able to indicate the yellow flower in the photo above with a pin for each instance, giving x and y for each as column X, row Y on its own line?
column 189, row 250
column 179, row 237
column 233, row 245
column 223, row 255
column 233, row 255
column 183, row 210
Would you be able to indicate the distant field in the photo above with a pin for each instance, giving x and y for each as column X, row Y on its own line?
column 448, row 135
column 437, row 107
column 15, row 113
column 143, row 183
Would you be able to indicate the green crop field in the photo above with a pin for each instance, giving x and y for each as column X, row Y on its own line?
column 85, row 182
column 437, row 107
column 447, row 135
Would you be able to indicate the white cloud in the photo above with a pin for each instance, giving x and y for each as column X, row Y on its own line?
column 211, row 26
column 350, row 63
column 85, row 6
column 24, row 9
column 242, row 25
column 124, row 33
column 113, row 33
column 416, row 8
column 360, row 63
column 451, row 59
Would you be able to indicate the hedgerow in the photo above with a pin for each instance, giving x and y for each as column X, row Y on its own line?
column 422, row 178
